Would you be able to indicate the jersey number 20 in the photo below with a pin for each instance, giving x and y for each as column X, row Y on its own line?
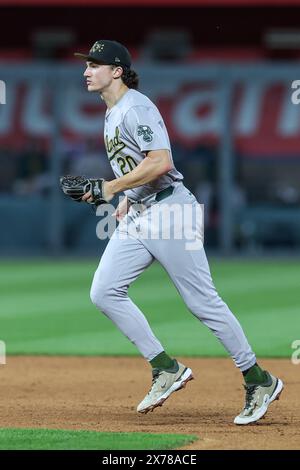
column 129, row 161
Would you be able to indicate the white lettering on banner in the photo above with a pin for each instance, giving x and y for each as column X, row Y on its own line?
column 34, row 119
column 74, row 116
column 289, row 118
column 186, row 119
column 261, row 111
column 249, row 113
column 7, row 111
column 37, row 122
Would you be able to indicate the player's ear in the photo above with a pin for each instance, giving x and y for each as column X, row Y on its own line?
column 117, row 72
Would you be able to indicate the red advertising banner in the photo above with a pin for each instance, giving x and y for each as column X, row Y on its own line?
column 264, row 120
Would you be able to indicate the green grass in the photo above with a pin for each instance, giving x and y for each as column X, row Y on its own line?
column 45, row 309
column 52, row 439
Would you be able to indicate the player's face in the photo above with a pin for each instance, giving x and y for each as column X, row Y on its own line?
column 98, row 77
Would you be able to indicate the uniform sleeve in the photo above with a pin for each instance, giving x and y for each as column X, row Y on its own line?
column 146, row 127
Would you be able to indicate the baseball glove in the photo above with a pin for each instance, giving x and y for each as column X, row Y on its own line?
column 76, row 186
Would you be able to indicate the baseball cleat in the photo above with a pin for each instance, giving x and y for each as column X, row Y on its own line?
column 258, row 399
column 163, row 384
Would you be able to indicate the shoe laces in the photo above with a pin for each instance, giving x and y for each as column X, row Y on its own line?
column 155, row 374
column 250, row 390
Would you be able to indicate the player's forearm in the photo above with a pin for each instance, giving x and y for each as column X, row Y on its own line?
column 148, row 170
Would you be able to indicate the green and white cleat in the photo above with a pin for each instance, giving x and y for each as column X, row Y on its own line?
column 163, row 384
column 258, row 399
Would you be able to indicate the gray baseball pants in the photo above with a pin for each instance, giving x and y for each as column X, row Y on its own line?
column 148, row 234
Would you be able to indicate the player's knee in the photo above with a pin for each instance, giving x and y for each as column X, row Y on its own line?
column 103, row 294
column 99, row 295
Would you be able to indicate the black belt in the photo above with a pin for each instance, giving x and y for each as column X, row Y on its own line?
column 164, row 193
column 158, row 196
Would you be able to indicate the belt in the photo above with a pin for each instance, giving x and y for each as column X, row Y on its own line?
column 158, row 196
column 164, row 193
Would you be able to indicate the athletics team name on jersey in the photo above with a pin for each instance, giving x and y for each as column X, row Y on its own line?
column 133, row 127
column 114, row 145
column 114, row 148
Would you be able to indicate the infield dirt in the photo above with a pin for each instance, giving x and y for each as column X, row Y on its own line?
column 101, row 394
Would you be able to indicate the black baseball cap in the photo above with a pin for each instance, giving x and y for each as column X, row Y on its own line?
column 107, row 52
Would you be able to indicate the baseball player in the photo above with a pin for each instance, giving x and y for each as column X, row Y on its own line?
column 139, row 151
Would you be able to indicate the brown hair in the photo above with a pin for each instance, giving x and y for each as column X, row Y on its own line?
column 130, row 78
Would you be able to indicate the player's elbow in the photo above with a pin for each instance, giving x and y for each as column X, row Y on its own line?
column 165, row 165
column 169, row 167
column 164, row 169
column 161, row 161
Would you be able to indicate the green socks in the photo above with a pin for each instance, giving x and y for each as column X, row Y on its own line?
column 255, row 375
column 163, row 361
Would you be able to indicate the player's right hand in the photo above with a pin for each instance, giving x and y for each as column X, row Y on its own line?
column 122, row 209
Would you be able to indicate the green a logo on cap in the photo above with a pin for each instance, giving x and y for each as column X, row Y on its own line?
column 97, row 47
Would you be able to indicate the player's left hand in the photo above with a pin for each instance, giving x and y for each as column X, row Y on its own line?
column 94, row 191
column 107, row 193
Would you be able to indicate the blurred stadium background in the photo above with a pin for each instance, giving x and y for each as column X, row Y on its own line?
column 219, row 70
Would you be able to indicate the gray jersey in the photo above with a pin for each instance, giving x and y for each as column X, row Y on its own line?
column 134, row 126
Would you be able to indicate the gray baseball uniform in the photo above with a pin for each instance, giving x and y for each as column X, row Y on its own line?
column 132, row 127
